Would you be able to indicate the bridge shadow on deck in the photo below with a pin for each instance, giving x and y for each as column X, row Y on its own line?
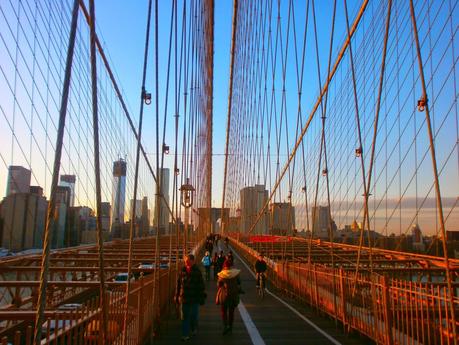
column 276, row 324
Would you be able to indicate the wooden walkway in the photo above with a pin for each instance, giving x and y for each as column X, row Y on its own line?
column 273, row 322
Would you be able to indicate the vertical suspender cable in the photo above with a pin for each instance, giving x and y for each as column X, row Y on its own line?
column 209, row 113
column 157, row 275
column 123, row 103
column 57, row 164
column 373, row 147
column 95, row 116
column 136, row 175
column 230, row 99
column 435, row 172
column 314, row 110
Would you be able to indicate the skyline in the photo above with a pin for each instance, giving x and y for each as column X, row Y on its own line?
column 29, row 138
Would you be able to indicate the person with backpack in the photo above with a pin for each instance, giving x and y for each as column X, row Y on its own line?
column 207, row 262
column 229, row 287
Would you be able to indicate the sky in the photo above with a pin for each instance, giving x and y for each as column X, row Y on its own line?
column 122, row 26
column 31, row 83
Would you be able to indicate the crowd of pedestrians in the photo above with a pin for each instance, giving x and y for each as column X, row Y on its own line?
column 190, row 290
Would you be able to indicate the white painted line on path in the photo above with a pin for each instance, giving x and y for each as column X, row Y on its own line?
column 304, row 318
column 251, row 328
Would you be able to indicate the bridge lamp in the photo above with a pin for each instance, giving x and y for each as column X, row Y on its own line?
column 186, row 194
column 177, row 171
column 422, row 103
column 325, row 172
column 358, row 152
column 146, row 97
column 166, row 149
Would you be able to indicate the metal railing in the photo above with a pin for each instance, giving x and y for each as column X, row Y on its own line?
column 387, row 310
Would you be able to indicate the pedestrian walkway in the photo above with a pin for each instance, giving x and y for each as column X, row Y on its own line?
column 269, row 321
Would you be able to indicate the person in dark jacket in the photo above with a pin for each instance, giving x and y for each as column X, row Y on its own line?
column 189, row 294
column 230, row 258
column 229, row 287
column 220, row 260
column 215, row 264
column 260, row 268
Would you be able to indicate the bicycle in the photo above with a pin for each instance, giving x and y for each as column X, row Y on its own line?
column 261, row 287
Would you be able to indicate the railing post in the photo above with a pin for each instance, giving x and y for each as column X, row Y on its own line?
column 343, row 296
column 387, row 313
column 316, row 293
column 140, row 312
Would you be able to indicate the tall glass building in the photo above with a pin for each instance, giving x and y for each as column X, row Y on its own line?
column 119, row 192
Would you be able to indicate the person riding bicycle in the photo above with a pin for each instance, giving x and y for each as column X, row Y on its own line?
column 260, row 268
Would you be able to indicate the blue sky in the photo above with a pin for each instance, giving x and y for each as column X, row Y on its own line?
column 28, row 130
column 122, row 26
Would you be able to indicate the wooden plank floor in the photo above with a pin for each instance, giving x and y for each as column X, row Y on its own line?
column 276, row 324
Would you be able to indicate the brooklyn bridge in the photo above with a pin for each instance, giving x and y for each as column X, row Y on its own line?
column 317, row 137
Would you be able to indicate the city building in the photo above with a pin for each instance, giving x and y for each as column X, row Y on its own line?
column 416, row 236
column 282, row 218
column 212, row 222
column 63, row 195
column 138, row 209
column 164, row 201
column 322, row 221
column 23, row 219
column 69, row 181
column 105, row 215
column 252, row 200
column 119, row 194
column 18, row 180
column 145, row 218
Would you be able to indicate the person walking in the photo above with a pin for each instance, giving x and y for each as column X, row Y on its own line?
column 215, row 264
column 229, row 287
column 207, row 262
column 230, row 258
column 220, row 261
column 190, row 293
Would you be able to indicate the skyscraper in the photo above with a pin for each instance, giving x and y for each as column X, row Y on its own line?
column 282, row 218
column 252, row 201
column 164, row 212
column 138, row 209
column 69, row 181
column 119, row 192
column 18, row 180
column 145, row 217
column 60, row 216
column 23, row 217
column 321, row 222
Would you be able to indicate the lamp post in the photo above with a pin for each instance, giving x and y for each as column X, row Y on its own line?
column 186, row 199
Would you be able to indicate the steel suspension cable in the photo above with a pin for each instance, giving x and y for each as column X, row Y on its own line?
column 136, row 176
column 435, row 172
column 314, row 109
column 57, row 162
column 362, row 161
column 157, row 275
column 103, row 335
column 230, row 104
